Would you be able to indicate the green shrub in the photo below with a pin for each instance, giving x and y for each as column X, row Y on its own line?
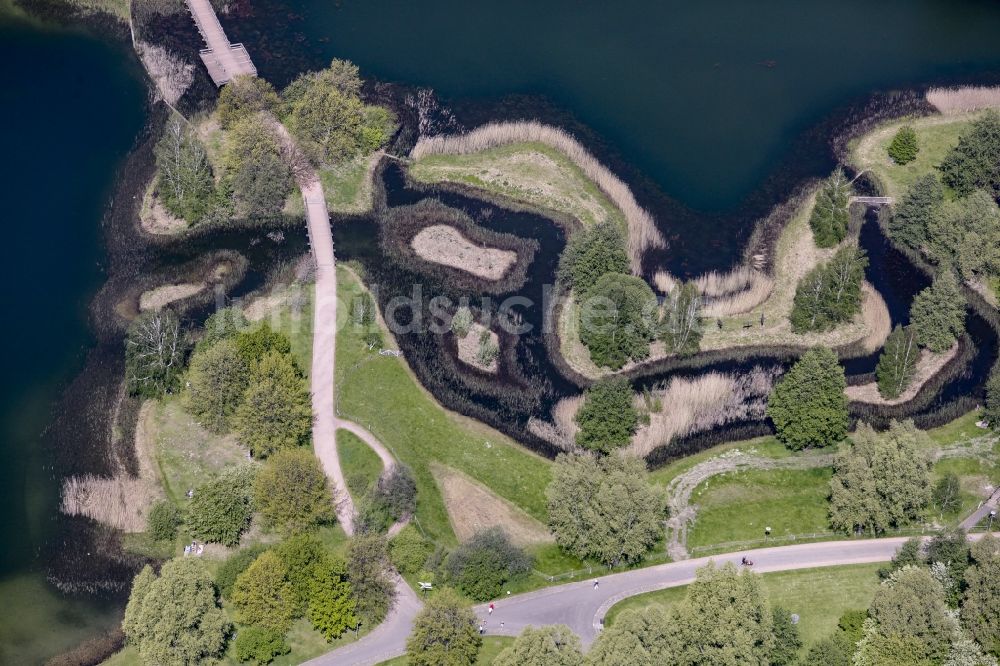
column 830, row 294
column 409, row 551
column 831, row 216
column 234, row 565
column 461, row 322
column 304, row 556
column 163, row 520
column 808, row 406
column 331, row 604
column 221, row 509
column 591, row 253
column 244, row 96
column 488, row 350
column 938, row 313
column 903, row 148
column 618, row 320
column 259, row 645
column 392, row 498
column 608, row 417
column 256, row 343
column 482, row 565
column 974, row 164
column 223, row 324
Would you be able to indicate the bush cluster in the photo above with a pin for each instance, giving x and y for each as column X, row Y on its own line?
column 830, row 294
column 481, row 566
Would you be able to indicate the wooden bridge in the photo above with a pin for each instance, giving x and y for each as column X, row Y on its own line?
column 223, row 59
column 872, row 201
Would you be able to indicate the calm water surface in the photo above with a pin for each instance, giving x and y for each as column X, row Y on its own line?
column 70, row 108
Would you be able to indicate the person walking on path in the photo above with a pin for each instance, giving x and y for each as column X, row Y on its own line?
column 491, row 609
column 595, row 584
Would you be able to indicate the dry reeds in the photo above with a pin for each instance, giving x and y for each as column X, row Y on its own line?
column 724, row 294
column 876, row 316
column 702, row 403
column 642, row 231
column 120, row 502
column 664, row 282
column 561, row 432
column 964, row 99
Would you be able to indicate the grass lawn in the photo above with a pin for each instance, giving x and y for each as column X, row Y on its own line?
column 492, row 646
column 347, row 188
column 361, row 465
column 936, row 135
column 818, row 596
column 188, row 455
column 738, row 505
column 381, row 394
column 527, row 173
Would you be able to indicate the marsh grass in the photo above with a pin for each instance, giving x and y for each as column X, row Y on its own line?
column 642, row 231
column 964, row 99
column 120, row 502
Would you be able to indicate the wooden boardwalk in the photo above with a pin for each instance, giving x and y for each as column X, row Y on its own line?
column 872, row 201
column 223, row 59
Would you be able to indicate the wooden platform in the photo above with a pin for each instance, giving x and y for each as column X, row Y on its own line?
column 223, row 59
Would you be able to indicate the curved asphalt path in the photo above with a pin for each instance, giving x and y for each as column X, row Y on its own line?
column 582, row 608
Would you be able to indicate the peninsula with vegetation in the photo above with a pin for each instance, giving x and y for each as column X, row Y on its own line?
column 392, row 395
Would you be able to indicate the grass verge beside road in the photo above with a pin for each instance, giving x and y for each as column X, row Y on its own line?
column 492, row 646
column 360, row 463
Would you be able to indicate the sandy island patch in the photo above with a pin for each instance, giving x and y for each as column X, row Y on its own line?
column 470, row 346
column 929, row 365
column 157, row 299
column 445, row 245
column 471, row 508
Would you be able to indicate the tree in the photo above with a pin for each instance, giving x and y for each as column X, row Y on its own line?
column 259, row 645
column 938, row 313
column 973, row 164
column 832, row 651
column 256, row 343
column 217, row 380
column 680, row 328
column 154, row 354
column 185, row 185
column 263, row 596
column 830, row 294
column 908, row 621
column 175, row 618
column 981, row 602
column 608, row 417
column 163, row 520
column 618, row 320
column 257, row 175
column 234, row 565
column 223, row 324
column 367, row 566
column 635, row 639
column 948, row 555
column 909, row 554
column 898, row 362
column 291, row 492
column 328, row 118
column 244, row 96
column 305, row 558
column 808, row 406
column 966, row 234
column 966, row 652
column 221, row 509
column 882, row 480
column 916, row 211
column 903, row 149
column 480, row 566
column 604, row 508
column 409, row 550
column 948, row 494
column 991, row 409
column 392, row 498
column 544, row 646
column 331, row 604
column 591, row 253
column 444, row 633
column 276, row 412
column 787, row 642
column 831, row 216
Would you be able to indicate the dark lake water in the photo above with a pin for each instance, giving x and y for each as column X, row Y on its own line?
column 70, row 107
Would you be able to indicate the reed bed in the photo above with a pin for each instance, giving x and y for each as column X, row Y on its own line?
column 964, row 99
column 642, row 231
column 562, row 430
column 691, row 405
column 664, row 282
column 875, row 314
column 715, row 284
column 756, row 292
column 119, row 501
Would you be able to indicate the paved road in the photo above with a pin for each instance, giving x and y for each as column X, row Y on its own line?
column 984, row 509
column 582, row 607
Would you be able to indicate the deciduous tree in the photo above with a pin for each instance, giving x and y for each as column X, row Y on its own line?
column 604, row 508
column 680, row 328
column 276, row 412
column 216, row 382
column 635, row 639
column 243, row 96
column 257, row 175
column 830, row 294
column 175, row 618
column 263, row 596
column 882, row 480
column 981, row 603
column 787, row 642
column 444, row 633
column 367, row 571
column 221, row 509
column 808, row 406
column 331, row 604
column 185, row 185
column 898, row 362
column 618, row 319
column 543, row 646
column 483, row 564
column 259, row 645
column 291, row 492
column 154, row 354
